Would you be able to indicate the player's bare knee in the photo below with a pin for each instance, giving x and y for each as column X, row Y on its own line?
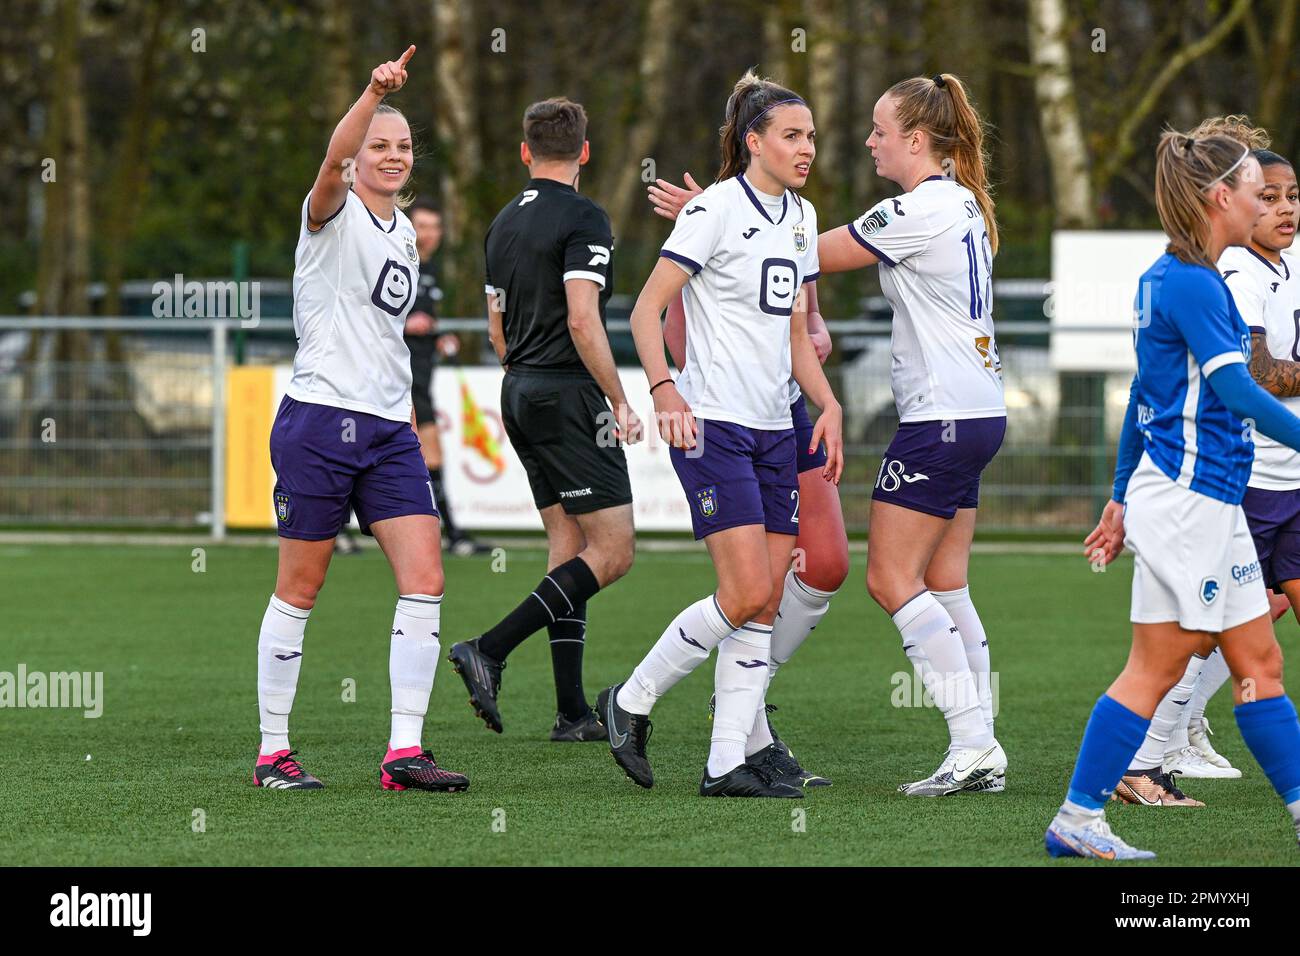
column 825, row 572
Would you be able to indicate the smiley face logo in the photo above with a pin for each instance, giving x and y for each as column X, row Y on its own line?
column 776, row 292
column 393, row 288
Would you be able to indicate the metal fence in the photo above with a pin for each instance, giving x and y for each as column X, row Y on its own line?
column 118, row 422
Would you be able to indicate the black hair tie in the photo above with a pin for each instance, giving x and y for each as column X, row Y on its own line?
column 939, row 81
column 1189, row 144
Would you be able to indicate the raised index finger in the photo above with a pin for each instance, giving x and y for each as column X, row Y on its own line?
column 410, row 52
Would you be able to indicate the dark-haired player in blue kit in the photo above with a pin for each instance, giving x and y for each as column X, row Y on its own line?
column 1184, row 458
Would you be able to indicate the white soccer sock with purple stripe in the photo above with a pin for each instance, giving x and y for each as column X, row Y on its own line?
column 933, row 644
column 680, row 649
column 739, row 681
column 412, row 663
column 279, row 660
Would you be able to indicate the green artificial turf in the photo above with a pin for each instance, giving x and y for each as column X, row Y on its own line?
column 179, row 726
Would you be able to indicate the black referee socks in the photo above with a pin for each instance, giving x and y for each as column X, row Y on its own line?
column 557, row 596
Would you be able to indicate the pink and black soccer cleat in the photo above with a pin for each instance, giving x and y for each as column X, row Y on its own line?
column 279, row 771
column 414, row 769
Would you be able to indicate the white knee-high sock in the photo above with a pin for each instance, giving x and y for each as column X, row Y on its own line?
column 975, row 641
column 412, row 662
column 739, row 680
column 279, row 659
column 682, row 648
column 933, row 644
column 802, row 607
column 1214, row 674
column 1156, row 742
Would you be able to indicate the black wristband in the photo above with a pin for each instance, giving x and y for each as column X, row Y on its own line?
column 657, row 384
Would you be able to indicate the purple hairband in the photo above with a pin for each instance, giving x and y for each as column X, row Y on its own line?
column 761, row 112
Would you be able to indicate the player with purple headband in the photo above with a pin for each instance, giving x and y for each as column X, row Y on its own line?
column 739, row 254
column 344, row 437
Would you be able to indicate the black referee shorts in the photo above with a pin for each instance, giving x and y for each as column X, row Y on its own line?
column 424, row 359
column 561, row 428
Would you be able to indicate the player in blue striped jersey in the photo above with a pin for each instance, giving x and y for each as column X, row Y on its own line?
column 1184, row 458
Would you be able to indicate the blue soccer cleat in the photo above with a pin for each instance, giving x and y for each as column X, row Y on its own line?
column 1092, row 840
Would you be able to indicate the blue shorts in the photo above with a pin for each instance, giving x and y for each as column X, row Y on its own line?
column 1274, row 521
column 934, row 467
column 803, row 429
column 738, row 475
column 328, row 460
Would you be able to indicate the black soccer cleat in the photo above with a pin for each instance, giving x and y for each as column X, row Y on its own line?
column 747, row 781
column 627, row 735
column 482, row 677
column 775, row 763
column 284, row 773
column 784, row 759
column 420, row 772
column 585, row 728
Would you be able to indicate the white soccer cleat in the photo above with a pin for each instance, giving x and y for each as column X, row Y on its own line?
column 968, row 769
column 1093, row 840
column 1198, row 735
column 1190, row 762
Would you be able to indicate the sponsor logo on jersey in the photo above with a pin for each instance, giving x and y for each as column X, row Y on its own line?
column 694, row 209
column 776, row 292
column 1209, row 590
column 575, row 493
column 282, row 506
column 875, row 220
column 394, row 288
column 708, row 501
column 1243, row 574
column 749, row 233
column 800, row 238
column 529, row 196
column 600, row 256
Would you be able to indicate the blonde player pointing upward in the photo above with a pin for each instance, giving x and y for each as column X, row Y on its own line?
column 344, row 437
column 935, row 245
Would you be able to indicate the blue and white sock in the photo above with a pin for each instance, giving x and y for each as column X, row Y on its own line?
column 1112, row 737
column 1272, row 733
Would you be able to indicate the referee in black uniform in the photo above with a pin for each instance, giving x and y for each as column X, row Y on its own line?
column 549, row 275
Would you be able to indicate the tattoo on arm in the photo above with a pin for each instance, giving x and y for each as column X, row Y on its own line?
column 1276, row 376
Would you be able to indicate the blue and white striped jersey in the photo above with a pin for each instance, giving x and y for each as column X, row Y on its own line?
column 1186, row 327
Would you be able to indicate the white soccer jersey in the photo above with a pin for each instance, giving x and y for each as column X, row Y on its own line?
column 354, row 281
column 747, row 264
column 936, row 270
column 1268, row 298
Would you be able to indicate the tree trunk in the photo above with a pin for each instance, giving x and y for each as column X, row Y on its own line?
column 825, row 90
column 1274, row 78
column 623, row 184
column 457, row 128
column 1058, row 111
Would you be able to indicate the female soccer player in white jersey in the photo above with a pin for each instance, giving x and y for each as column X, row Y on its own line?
column 935, row 245
column 1184, row 457
column 740, row 252
column 822, row 546
column 345, row 437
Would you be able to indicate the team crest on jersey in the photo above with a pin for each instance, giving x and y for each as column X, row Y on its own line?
column 282, row 507
column 800, row 239
column 875, row 220
column 410, row 250
column 1209, row 591
column 708, row 499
